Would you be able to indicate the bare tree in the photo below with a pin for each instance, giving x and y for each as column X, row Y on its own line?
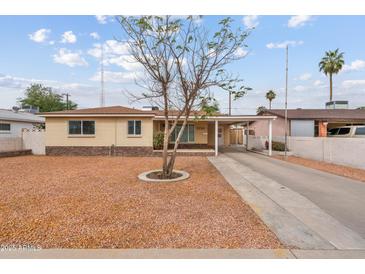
column 182, row 61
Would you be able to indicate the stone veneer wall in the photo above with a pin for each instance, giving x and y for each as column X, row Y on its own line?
column 191, row 146
column 113, row 151
column 98, row 151
column 16, row 153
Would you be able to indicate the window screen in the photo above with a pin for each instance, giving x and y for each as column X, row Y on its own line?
column 88, row 127
column 4, row 127
column 134, row 127
column 74, row 127
column 81, row 127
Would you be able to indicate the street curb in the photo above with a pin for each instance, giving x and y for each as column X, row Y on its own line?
column 182, row 254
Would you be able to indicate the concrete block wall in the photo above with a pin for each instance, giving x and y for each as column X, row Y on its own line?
column 34, row 139
column 10, row 143
column 342, row 151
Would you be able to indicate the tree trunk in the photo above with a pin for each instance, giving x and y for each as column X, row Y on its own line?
column 165, row 149
column 330, row 87
column 171, row 163
column 269, row 104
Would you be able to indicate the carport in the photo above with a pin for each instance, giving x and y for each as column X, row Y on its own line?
column 241, row 120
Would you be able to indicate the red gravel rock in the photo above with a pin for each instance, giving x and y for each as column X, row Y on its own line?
column 350, row 172
column 98, row 202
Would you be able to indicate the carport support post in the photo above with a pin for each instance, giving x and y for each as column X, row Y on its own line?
column 216, row 138
column 270, row 137
column 247, row 132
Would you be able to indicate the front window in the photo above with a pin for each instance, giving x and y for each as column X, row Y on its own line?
column 134, row 127
column 188, row 135
column 4, row 127
column 79, row 127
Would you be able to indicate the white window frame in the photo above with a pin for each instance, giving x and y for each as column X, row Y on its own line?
column 6, row 131
column 187, row 128
column 134, row 128
column 81, row 132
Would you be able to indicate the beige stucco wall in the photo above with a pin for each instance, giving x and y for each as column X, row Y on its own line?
column 108, row 131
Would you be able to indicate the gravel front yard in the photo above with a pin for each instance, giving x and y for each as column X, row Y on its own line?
column 350, row 172
column 97, row 202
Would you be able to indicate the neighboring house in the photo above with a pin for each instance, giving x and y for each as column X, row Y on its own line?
column 12, row 122
column 308, row 122
column 120, row 130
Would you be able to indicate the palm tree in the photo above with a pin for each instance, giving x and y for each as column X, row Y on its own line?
column 331, row 64
column 270, row 95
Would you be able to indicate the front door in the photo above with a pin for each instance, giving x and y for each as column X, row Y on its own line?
column 220, row 136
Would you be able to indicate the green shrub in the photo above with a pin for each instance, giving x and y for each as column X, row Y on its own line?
column 277, row 146
column 158, row 140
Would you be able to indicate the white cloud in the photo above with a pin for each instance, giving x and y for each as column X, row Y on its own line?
column 104, row 19
column 69, row 58
column 300, row 88
column 317, row 83
column 299, row 20
column 353, row 83
column 305, row 76
column 117, row 77
column 125, row 61
column 354, row 66
column 39, row 36
column 240, row 52
column 111, row 49
column 282, row 45
column 115, row 53
column 68, row 37
column 250, row 21
column 95, row 35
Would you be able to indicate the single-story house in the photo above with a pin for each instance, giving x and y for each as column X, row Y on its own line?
column 12, row 122
column 119, row 130
column 307, row 122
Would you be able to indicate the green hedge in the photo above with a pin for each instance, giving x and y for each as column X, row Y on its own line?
column 158, row 141
column 277, row 146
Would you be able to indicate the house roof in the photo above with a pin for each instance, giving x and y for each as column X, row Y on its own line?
column 115, row 111
column 319, row 114
column 9, row 115
column 100, row 110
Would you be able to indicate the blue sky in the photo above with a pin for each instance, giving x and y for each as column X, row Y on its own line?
column 62, row 52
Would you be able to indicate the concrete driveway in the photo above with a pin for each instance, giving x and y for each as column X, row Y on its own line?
column 340, row 197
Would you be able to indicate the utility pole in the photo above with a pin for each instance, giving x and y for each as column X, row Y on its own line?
column 286, row 104
column 102, row 99
column 67, row 95
column 230, row 103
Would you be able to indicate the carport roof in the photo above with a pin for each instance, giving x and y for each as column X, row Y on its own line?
column 319, row 114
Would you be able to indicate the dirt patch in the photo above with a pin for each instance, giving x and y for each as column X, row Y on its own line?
column 350, row 172
column 98, row 202
column 158, row 175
